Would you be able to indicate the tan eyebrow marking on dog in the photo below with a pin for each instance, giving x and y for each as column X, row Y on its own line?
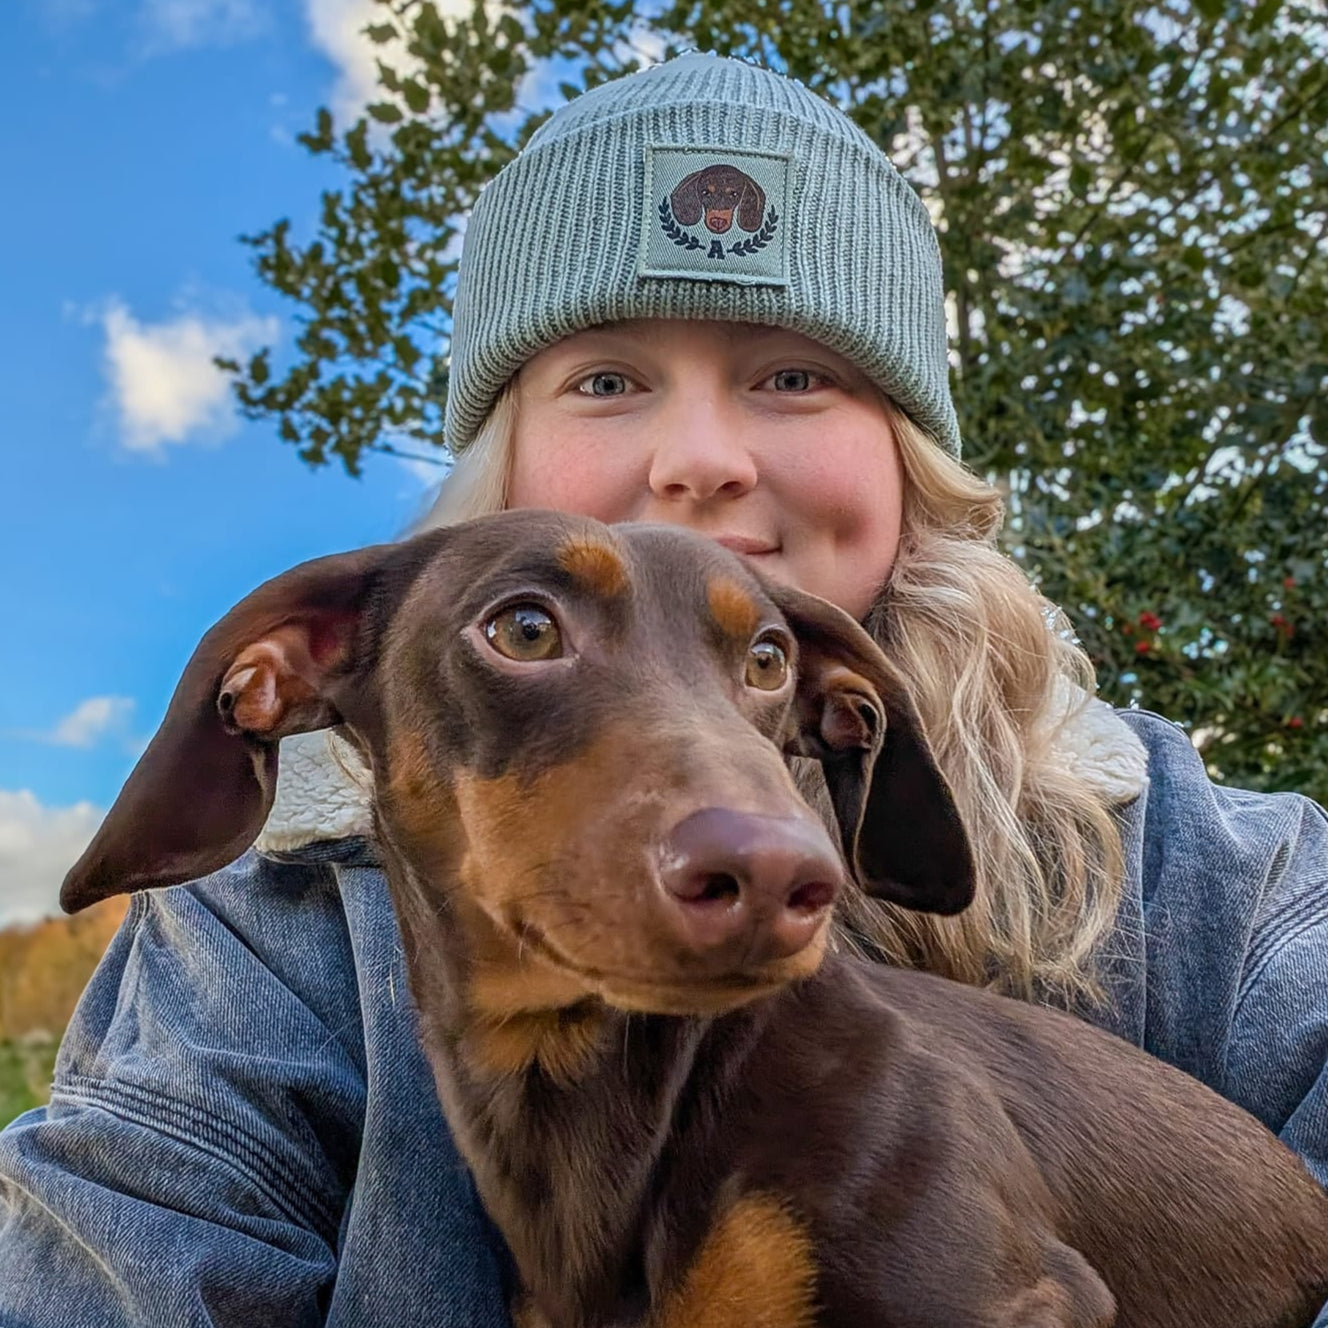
column 755, row 1268
column 732, row 607
column 596, row 566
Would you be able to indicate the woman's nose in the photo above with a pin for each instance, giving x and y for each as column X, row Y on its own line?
column 702, row 450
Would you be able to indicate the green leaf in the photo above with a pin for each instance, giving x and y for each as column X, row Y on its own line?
column 416, row 95
column 1264, row 13
column 357, row 146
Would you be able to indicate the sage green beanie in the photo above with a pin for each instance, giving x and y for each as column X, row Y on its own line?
column 702, row 188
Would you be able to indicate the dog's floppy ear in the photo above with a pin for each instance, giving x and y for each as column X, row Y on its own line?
column 901, row 833
column 751, row 206
column 199, row 795
column 685, row 200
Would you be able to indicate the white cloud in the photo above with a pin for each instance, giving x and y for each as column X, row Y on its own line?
column 170, row 25
column 38, row 845
column 337, row 29
column 90, row 720
column 164, row 386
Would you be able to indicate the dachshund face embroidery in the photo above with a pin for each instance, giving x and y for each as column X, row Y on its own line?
column 720, row 194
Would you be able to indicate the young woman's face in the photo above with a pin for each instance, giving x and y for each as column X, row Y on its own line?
column 755, row 436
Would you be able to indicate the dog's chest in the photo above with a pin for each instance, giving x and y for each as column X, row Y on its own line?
column 604, row 1190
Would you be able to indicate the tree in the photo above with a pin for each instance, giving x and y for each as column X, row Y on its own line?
column 1133, row 207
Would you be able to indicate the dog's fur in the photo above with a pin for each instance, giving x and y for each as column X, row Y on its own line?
column 682, row 1107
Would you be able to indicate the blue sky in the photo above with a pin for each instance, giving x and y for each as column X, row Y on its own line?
column 141, row 138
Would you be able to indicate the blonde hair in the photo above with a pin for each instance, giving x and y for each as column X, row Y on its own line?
column 995, row 674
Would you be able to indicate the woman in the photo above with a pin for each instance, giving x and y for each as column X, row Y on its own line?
column 700, row 296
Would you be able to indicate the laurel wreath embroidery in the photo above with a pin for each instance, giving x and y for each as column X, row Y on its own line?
column 673, row 230
column 742, row 248
column 760, row 239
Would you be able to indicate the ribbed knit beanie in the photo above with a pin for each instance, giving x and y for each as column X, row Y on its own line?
column 702, row 188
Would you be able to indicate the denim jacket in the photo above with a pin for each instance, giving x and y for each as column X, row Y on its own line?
column 243, row 1130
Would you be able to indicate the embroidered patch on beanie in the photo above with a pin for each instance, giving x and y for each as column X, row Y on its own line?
column 714, row 215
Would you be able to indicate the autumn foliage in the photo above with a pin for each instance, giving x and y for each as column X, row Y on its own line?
column 45, row 966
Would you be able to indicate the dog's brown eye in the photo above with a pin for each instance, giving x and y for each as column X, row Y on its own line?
column 767, row 666
column 524, row 632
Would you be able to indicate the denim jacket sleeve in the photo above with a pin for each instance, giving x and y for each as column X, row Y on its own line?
column 1228, row 922
column 1277, row 1062
column 194, row 1162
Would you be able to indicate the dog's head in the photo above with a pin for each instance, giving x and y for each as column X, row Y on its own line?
column 577, row 738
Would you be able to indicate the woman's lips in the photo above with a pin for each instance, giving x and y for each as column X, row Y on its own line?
column 745, row 545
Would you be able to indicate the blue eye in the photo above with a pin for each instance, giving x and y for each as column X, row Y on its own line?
column 792, row 380
column 604, row 385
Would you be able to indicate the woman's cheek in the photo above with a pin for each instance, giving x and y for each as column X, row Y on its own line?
column 568, row 474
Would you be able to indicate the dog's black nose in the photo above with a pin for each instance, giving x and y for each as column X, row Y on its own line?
column 760, row 886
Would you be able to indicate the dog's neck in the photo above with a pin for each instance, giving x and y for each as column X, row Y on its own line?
column 570, row 1114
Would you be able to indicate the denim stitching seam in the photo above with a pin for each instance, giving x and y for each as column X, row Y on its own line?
column 255, row 1164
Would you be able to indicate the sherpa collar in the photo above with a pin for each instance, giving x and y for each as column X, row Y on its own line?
column 324, row 790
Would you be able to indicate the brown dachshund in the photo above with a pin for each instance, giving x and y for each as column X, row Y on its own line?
column 719, row 193
column 683, row 1106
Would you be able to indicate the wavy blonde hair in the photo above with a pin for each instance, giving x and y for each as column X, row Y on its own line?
column 996, row 674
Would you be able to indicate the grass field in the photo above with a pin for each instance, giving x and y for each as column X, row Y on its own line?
column 25, row 1075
